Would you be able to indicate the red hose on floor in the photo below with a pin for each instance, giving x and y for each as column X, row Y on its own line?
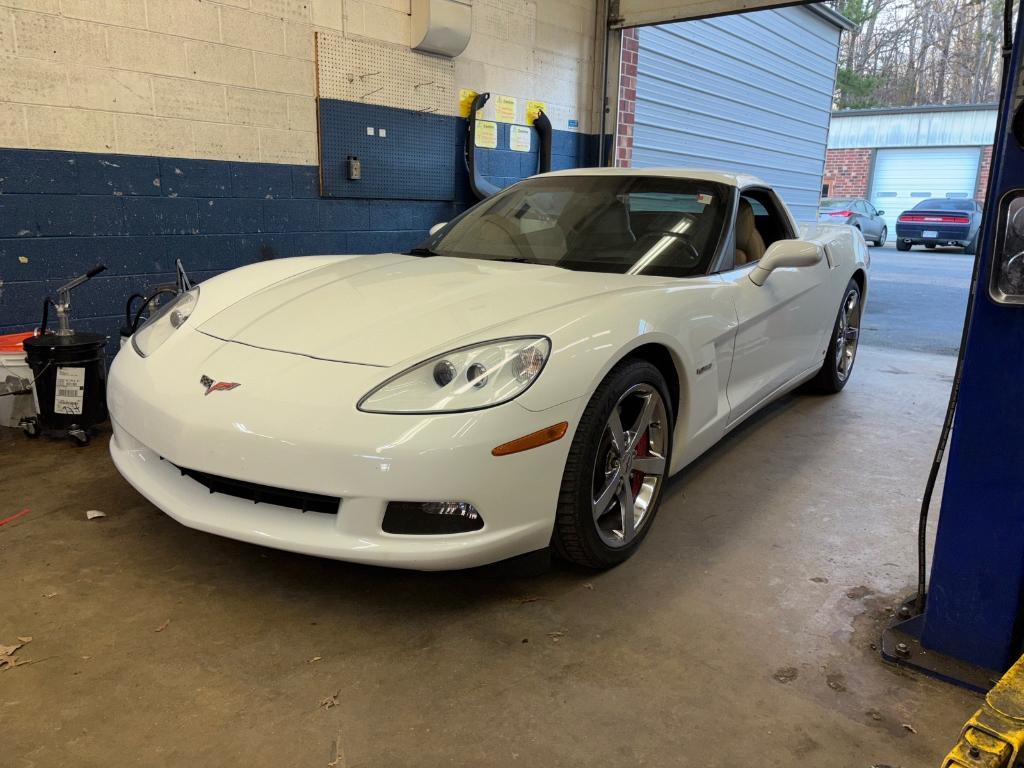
column 14, row 517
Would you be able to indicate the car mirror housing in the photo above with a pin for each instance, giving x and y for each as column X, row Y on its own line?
column 785, row 253
column 880, row 213
column 438, row 227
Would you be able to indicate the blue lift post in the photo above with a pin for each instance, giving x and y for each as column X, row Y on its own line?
column 971, row 629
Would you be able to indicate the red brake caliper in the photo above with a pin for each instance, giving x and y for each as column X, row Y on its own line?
column 643, row 448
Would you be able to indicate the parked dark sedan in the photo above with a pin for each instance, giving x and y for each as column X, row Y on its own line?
column 940, row 221
column 857, row 212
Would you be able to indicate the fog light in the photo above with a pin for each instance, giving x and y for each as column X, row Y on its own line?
column 431, row 517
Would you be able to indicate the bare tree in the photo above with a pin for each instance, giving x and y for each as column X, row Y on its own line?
column 912, row 52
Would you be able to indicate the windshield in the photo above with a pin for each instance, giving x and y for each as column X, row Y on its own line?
column 944, row 204
column 637, row 224
column 836, row 205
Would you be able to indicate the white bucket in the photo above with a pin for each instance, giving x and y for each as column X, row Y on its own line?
column 15, row 376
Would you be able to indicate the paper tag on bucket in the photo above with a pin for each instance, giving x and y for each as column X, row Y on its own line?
column 70, row 391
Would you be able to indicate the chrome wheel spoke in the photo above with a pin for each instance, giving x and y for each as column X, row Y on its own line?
column 643, row 421
column 610, row 491
column 617, row 433
column 628, row 507
column 650, row 465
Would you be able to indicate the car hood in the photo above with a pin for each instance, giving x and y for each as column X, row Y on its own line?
column 383, row 309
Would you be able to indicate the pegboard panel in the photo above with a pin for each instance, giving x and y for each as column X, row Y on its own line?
column 393, row 109
column 369, row 72
column 418, row 158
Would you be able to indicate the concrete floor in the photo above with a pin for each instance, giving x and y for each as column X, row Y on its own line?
column 918, row 298
column 742, row 634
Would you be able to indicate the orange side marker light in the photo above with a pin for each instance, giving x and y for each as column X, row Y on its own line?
column 533, row 440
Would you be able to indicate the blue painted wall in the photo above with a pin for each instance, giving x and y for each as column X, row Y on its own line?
column 423, row 155
column 63, row 212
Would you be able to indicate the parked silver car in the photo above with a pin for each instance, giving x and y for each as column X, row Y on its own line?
column 857, row 212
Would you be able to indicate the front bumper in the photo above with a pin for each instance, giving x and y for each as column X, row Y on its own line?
column 292, row 424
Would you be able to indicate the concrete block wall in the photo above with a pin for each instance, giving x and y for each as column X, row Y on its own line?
column 135, row 131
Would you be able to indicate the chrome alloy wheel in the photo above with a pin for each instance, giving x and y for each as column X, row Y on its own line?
column 630, row 465
column 848, row 333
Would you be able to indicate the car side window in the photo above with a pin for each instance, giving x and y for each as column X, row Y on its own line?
column 871, row 210
column 759, row 223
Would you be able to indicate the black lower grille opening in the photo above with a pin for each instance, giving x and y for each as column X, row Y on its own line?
column 264, row 494
column 427, row 518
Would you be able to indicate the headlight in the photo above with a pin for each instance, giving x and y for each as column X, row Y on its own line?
column 169, row 318
column 466, row 379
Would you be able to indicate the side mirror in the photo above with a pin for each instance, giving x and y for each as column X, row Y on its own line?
column 880, row 213
column 785, row 253
column 438, row 227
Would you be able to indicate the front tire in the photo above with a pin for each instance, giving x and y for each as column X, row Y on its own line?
column 882, row 237
column 842, row 348
column 902, row 245
column 616, row 468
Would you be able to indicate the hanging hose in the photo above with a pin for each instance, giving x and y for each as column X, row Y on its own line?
column 481, row 187
column 146, row 303
column 128, row 308
column 954, row 394
column 47, row 303
column 542, row 124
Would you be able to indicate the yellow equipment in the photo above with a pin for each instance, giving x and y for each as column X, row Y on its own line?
column 994, row 736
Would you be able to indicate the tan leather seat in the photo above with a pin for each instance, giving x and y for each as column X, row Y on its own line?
column 749, row 244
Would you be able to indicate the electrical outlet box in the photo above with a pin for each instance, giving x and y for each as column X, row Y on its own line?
column 355, row 169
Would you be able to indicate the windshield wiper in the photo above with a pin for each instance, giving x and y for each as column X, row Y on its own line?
column 422, row 252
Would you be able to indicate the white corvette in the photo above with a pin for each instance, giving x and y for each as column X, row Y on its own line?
column 529, row 376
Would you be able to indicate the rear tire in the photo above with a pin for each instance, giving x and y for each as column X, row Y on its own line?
column 902, row 245
column 972, row 247
column 841, row 354
column 605, row 474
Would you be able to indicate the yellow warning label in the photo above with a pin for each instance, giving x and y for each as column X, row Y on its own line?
column 486, row 134
column 505, row 109
column 533, row 108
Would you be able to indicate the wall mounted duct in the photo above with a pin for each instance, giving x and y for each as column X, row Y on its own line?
column 481, row 187
column 441, row 26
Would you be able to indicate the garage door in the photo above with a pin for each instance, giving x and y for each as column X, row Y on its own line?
column 749, row 93
column 904, row 177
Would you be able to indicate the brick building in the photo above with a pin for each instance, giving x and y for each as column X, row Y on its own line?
column 896, row 157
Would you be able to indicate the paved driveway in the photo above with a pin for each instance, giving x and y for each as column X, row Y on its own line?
column 917, row 299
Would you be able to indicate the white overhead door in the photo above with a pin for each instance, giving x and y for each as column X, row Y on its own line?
column 904, row 177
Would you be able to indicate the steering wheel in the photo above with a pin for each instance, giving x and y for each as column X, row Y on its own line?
column 682, row 237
